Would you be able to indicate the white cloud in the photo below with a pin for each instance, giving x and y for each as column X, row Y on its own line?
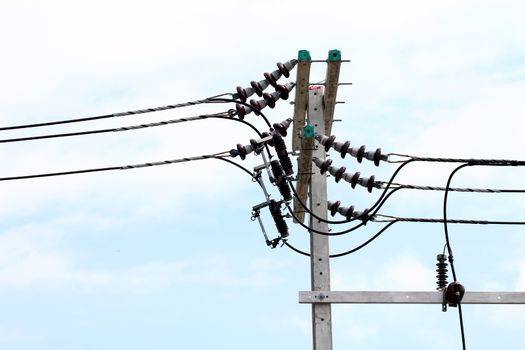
column 359, row 334
column 402, row 272
column 33, row 255
column 28, row 257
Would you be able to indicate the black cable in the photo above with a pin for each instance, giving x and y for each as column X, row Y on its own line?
column 135, row 127
column 450, row 256
column 237, row 165
column 471, row 162
column 476, row 161
column 321, row 232
column 445, row 226
column 468, row 162
column 305, row 207
column 348, row 251
column 123, row 167
column 370, row 217
column 452, row 189
column 390, row 184
column 380, row 201
column 113, row 115
column 449, row 221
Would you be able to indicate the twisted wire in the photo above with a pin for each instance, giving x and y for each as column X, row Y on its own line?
column 472, row 161
column 112, row 115
column 390, row 218
column 452, row 189
column 121, row 167
column 223, row 115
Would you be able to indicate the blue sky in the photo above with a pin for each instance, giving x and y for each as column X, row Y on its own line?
column 168, row 257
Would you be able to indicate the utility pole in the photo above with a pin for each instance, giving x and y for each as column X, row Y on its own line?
column 313, row 112
column 319, row 103
column 319, row 248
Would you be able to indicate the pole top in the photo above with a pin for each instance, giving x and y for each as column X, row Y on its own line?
column 334, row 55
column 304, row 55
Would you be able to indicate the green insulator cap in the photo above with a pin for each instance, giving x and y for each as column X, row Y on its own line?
column 334, row 55
column 308, row 131
column 304, row 55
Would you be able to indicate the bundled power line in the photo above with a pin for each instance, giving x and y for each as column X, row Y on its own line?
column 113, row 115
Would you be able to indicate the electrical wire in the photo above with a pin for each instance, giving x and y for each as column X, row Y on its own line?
column 476, row 161
column 450, row 255
column 309, row 229
column 113, row 115
column 390, row 218
column 220, row 155
column 470, row 162
column 390, row 184
column 452, row 189
column 237, row 165
column 370, row 240
column 223, row 115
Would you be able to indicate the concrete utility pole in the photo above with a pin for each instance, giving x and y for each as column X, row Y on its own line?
column 319, row 102
column 314, row 112
column 319, row 259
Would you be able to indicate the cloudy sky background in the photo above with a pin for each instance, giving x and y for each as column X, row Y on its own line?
column 167, row 257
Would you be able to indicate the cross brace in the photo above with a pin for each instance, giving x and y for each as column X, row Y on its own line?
column 357, row 297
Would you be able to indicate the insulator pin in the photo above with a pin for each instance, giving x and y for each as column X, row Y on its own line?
column 271, row 98
column 259, row 86
column 362, row 215
column 257, row 105
column 360, row 153
column 342, row 148
column 332, row 207
column 286, row 67
column 326, row 141
column 275, row 211
column 337, row 172
column 242, row 110
column 244, row 150
column 285, row 90
column 280, row 180
column 441, row 272
column 273, row 77
column 283, row 126
column 244, row 93
column 352, row 178
column 282, row 153
column 369, row 183
column 322, row 164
